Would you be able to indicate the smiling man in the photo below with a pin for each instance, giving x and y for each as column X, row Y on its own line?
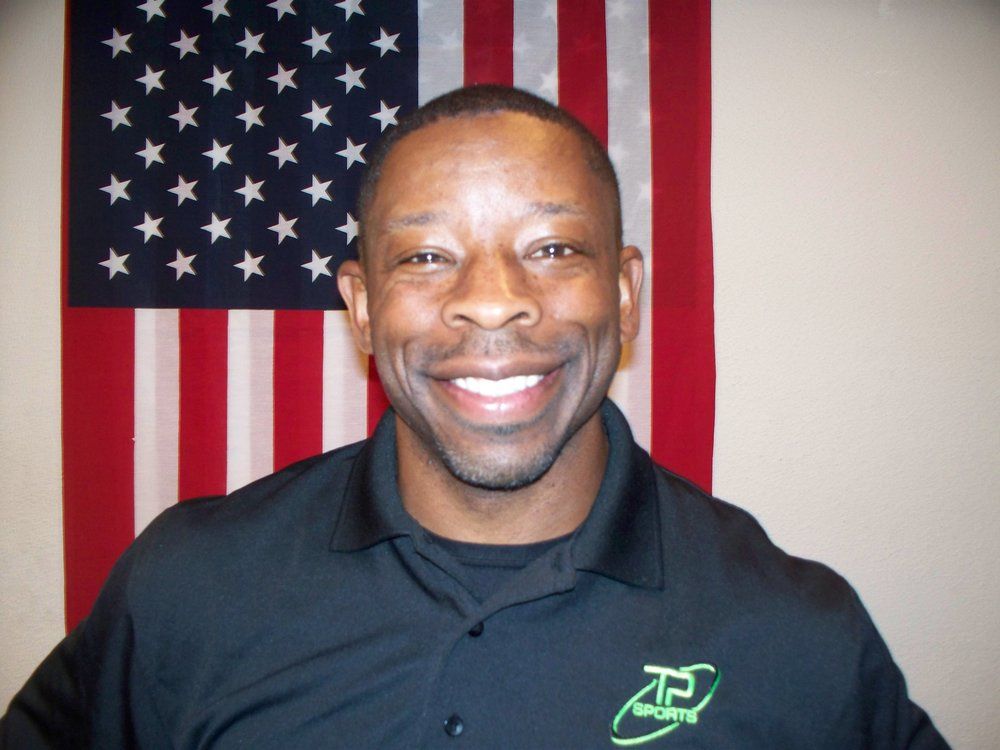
column 500, row 566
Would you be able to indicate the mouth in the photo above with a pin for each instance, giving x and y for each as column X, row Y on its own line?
column 497, row 388
column 519, row 397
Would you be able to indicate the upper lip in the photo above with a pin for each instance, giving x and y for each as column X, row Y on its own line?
column 495, row 369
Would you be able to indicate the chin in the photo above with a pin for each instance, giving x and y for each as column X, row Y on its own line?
column 494, row 473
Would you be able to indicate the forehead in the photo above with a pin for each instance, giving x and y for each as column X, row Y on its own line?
column 504, row 152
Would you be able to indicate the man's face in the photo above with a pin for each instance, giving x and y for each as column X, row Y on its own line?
column 494, row 295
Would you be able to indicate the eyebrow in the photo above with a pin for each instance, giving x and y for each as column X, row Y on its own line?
column 536, row 208
column 548, row 208
column 414, row 220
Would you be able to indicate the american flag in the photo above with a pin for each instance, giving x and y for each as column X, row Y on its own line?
column 212, row 157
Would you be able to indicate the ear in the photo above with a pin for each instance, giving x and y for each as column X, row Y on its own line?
column 629, row 284
column 354, row 289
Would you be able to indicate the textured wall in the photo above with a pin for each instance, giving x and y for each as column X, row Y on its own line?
column 855, row 200
column 31, row 579
column 856, row 173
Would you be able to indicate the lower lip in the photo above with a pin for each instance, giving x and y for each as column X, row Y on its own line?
column 519, row 406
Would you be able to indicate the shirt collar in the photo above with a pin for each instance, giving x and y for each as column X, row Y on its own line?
column 619, row 539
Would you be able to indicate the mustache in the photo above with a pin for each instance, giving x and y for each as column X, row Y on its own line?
column 496, row 344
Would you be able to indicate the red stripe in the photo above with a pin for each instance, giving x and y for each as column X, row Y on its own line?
column 298, row 385
column 98, row 349
column 201, row 466
column 489, row 41
column 378, row 402
column 583, row 67
column 683, row 351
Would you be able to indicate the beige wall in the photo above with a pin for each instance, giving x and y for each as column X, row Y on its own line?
column 856, row 180
column 856, row 210
column 31, row 579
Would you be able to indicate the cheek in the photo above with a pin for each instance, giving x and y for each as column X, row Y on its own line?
column 586, row 303
column 401, row 316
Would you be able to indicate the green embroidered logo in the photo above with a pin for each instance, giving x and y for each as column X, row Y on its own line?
column 672, row 698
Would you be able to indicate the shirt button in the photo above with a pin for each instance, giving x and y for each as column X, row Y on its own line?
column 476, row 630
column 453, row 725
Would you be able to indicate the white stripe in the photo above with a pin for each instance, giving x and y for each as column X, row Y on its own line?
column 536, row 48
column 345, row 384
column 629, row 145
column 441, row 63
column 250, row 397
column 157, row 405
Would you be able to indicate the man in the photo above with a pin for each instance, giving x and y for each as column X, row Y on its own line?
column 500, row 566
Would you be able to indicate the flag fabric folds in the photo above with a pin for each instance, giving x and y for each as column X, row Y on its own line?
column 212, row 154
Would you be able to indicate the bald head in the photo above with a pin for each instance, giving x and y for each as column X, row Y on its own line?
column 480, row 100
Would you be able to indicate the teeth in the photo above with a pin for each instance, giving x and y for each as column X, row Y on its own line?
column 497, row 388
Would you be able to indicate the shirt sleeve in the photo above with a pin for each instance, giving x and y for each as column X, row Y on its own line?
column 893, row 721
column 89, row 692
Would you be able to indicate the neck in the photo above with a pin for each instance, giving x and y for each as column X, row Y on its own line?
column 553, row 506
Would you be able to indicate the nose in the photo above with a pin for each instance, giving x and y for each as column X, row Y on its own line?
column 492, row 293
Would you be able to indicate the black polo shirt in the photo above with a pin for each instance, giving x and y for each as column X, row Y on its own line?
column 309, row 610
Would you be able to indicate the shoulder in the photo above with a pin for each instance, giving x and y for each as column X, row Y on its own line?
column 722, row 549
column 261, row 524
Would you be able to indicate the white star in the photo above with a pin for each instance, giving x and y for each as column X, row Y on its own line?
column 219, row 154
column 217, row 8
column 352, row 152
column 284, row 78
column 317, row 42
column 217, row 228
column 284, row 152
column 118, row 115
column 115, row 263
column 645, row 192
column 151, row 8
column 318, row 190
column 318, row 265
column 522, row 46
column 250, row 265
column 618, row 9
column 219, row 80
column 317, row 115
column 151, row 80
column 186, row 44
column 250, row 191
column 350, row 228
column 251, row 42
column 184, row 116
column 351, row 78
column 617, row 80
column 549, row 87
column 282, row 7
column 449, row 41
column 151, row 153
column 149, row 227
column 284, row 228
column 251, row 116
column 386, row 115
column 117, row 189
column 182, row 264
column 618, row 154
column 184, row 190
column 350, row 7
column 386, row 42
column 118, row 43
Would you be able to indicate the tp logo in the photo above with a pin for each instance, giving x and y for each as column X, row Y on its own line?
column 672, row 698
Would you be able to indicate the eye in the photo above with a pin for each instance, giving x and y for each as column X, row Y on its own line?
column 553, row 250
column 423, row 258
